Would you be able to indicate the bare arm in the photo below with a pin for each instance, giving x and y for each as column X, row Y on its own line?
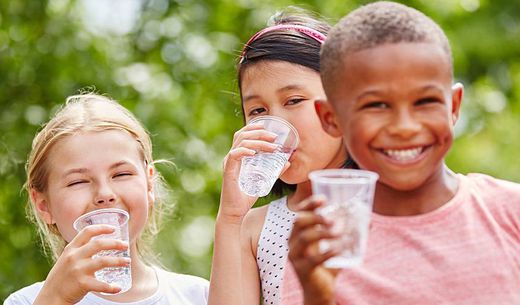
column 228, row 275
column 225, row 267
column 251, row 229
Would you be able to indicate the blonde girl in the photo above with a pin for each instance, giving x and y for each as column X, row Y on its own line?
column 95, row 154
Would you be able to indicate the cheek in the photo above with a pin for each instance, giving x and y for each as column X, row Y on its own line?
column 309, row 128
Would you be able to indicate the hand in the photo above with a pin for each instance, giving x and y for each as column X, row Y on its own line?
column 72, row 276
column 309, row 228
column 246, row 142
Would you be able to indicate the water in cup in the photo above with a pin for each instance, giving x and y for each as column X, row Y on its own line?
column 120, row 276
column 258, row 173
column 349, row 197
column 349, row 220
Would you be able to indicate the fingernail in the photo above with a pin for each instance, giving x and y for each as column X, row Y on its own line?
column 112, row 228
column 320, row 197
column 273, row 135
column 115, row 288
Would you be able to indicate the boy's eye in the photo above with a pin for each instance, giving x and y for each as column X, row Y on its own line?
column 256, row 111
column 378, row 104
column 428, row 100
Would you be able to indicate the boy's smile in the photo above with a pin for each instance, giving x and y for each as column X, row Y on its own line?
column 396, row 109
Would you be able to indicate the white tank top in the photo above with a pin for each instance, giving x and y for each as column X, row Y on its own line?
column 271, row 254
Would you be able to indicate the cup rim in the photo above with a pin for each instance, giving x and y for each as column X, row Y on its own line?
column 279, row 119
column 330, row 175
column 98, row 211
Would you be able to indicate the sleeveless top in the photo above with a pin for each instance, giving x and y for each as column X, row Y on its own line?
column 272, row 250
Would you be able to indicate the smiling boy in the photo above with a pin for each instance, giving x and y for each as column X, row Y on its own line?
column 436, row 237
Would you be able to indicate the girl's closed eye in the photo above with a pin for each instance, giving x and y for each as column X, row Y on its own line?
column 427, row 100
column 123, row 174
column 76, row 182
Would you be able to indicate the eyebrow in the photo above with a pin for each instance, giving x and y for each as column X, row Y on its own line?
column 420, row 90
column 84, row 169
column 75, row 171
column 279, row 90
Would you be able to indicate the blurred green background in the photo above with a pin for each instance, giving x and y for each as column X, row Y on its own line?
column 172, row 63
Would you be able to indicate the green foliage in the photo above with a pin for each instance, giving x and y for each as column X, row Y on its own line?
column 174, row 68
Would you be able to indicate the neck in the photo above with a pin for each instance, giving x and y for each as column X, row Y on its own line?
column 431, row 195
column 304, row 189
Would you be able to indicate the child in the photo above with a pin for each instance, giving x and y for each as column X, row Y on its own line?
column 278, row 75
column 436, row 237
column 95, row 154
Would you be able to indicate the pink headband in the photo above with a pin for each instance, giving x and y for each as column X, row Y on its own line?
column 319, row 37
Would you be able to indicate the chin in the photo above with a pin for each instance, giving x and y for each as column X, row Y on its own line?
column 403, row 185
column 293, row 177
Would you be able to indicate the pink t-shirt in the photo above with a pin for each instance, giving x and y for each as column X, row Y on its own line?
column 465, row 252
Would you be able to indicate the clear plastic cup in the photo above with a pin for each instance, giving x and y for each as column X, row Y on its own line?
column 349, row 197
column 258, row 173
column 120, row 276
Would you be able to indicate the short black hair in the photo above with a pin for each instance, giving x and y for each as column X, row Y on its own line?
column 373, row 25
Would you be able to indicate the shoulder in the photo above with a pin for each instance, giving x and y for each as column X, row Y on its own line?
column 499, row 197
column 184, row 286
column 257, row 216
column 255, row 219
column 26, row 295
column 184, row 281
column 493, row 188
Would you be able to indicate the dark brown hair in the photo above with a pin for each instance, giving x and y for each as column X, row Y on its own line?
column 289, row 46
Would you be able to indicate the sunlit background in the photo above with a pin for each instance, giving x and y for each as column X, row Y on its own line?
column 173, row 64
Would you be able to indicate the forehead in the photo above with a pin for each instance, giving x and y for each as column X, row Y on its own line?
column 94, row 148
column 400, row 67
column 276, row 74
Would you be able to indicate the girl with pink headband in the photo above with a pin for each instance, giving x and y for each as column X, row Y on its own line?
column 278, row 75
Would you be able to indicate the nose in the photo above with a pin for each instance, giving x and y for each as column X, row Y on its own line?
column 404, row 124
column 104, row 195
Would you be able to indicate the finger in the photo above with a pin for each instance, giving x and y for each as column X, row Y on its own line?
column 313, row 261
column 233, row 159
column 100, row 262
column 101, row 244
column 305, row 220
column 311, row 203
column 259, row 145
column 88, row 232
column 307, row 241
column 258, row 134
column 98, row 286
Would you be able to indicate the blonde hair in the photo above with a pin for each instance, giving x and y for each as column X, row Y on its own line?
column 90, row 112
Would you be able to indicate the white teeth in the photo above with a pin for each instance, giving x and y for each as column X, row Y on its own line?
column 403, row 155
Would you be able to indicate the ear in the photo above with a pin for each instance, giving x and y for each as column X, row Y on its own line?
column 457, row 91
column 327, row 117
column 40, row 202
column 150, row 178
